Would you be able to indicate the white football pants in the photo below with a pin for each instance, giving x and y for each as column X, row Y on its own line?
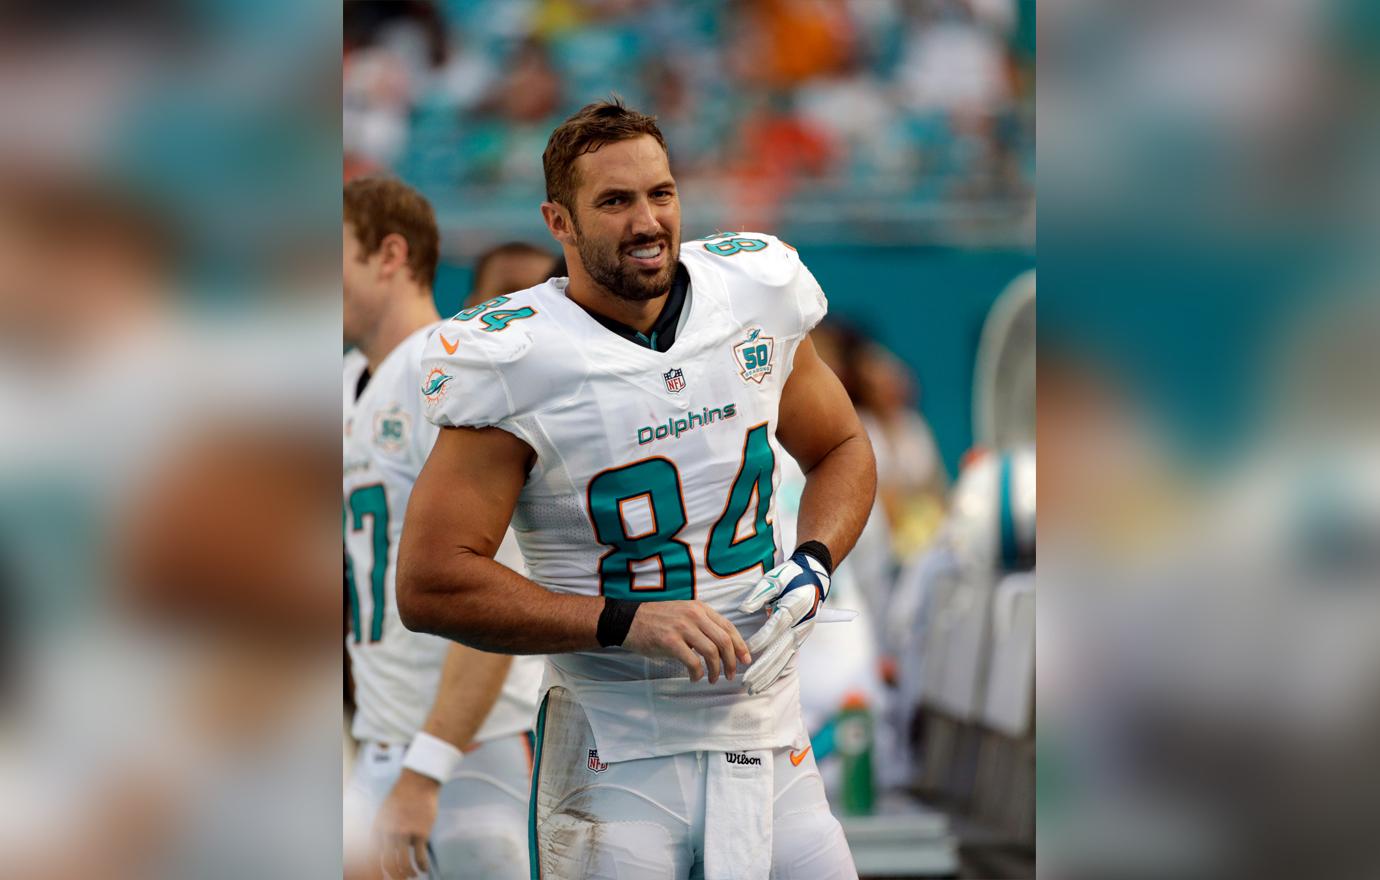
column 481, row 823
column 645, row 819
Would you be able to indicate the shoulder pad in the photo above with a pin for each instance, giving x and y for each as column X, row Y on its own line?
column 461, row 382
column 766, row 258
column 471, row 364
column 473, row 340
column 748, row 260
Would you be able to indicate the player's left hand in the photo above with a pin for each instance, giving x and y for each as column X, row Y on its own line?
column 794, row 592
column 402, row 828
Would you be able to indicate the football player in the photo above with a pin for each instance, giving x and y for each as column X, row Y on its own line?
column 507, row 268
column 630, row 419
column 443, row 766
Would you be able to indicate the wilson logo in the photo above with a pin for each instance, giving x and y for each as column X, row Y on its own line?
column 742, row 758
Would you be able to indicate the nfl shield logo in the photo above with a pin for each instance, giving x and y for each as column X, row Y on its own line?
column 594, row 763
column 675, row 381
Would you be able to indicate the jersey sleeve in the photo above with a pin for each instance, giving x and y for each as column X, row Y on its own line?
column 423, row 438
column 808, row 297
column 464, row 376
column 756, row 261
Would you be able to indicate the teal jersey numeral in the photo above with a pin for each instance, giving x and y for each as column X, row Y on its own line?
column 499, row 320
column 724, row 556
column 369, row 502
column 351, row 601
column 658, row 480
column 726, row 244
column 495, row 321
column 474, row 311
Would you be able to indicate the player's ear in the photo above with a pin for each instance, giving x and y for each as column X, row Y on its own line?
column 558, row 222
column 392, row 253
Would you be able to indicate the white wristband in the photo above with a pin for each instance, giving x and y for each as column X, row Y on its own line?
column 432, row 757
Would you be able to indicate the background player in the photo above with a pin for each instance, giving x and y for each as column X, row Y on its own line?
column 420, row 700
column 507, row 268
column 633, row 416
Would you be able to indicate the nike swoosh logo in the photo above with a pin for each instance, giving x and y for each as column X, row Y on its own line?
column 797, row 757
column 448, row 345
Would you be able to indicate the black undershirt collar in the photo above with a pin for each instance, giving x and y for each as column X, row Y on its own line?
column 662, row 334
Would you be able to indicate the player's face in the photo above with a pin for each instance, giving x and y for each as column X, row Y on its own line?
column 364, row 296
column 509, row 273
column 627, row 218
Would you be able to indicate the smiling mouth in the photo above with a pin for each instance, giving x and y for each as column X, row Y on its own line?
column 649, row 255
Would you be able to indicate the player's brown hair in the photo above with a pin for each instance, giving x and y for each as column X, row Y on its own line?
column 380, row 206
column 593, row 126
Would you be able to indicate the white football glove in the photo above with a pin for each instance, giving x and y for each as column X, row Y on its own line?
column 795, row 590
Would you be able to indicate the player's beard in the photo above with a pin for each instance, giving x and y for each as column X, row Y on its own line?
column 607, row 266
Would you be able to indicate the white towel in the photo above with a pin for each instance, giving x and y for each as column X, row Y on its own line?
column 739, row 790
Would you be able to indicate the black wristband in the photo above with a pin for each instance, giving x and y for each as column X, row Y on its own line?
column 615, row 621
column 819, row 553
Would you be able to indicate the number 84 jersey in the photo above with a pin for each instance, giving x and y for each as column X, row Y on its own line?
column 655, row 475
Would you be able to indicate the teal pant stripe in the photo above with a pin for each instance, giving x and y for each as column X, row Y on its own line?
column 532, row 802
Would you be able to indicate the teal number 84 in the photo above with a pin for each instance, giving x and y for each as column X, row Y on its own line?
column 494, row 321
column 657, row 482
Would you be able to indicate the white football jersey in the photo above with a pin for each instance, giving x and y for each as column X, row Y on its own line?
column 397, row 671
column 655, row 475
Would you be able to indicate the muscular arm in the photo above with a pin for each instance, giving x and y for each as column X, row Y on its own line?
column 820, row 429
column 448, row 583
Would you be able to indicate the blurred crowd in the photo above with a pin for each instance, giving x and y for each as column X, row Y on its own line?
column 918, row 102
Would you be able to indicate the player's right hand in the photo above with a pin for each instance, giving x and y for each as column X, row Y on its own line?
column 691, row 632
